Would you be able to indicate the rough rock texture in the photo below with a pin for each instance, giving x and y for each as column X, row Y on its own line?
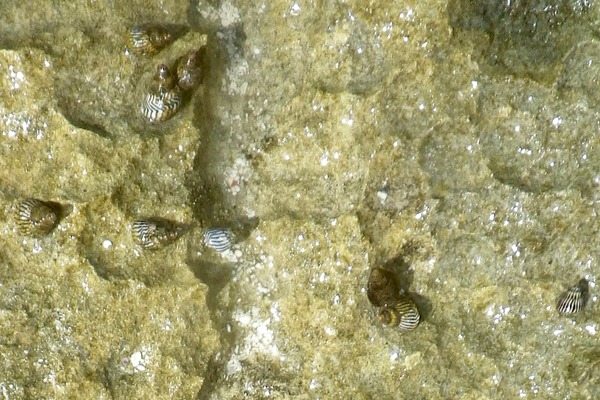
column 454, row 144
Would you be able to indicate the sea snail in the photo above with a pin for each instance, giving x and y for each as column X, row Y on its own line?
column 382, row 288
column 188, row 68
column 218, row 239
column 574, row 299
column 402, row 314
column 38, row 218
column 148, row 39
column 156, row 233
column 163, row 99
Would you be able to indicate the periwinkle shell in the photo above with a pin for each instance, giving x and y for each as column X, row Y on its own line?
column 382, row 288
column 189, row 70
column 218, row 239
column 164, row 98
column 402, row 314
column 574, row 299
column 156, row 233
column 148, row 39
column 37, row 217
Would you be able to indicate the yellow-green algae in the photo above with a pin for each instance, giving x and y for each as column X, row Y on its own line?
column 358, row 134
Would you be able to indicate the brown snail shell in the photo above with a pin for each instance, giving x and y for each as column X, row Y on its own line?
column 574, row 299
column 156, row 233
column 37, row 217
column 382, row 288
column 163, row 99
column 148, row 39
column 403, row 314
column 189, row 71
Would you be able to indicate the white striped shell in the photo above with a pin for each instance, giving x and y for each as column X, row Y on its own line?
column 404, row 314
column 36, row 217
column 155, row 233
column 218, row 239
column 574, row 299
column 148, row 39
column 164, row 97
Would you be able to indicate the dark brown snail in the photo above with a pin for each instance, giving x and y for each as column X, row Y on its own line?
column 189, row 71
column 382, row 288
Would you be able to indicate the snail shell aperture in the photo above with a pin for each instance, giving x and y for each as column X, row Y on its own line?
column 36, row 217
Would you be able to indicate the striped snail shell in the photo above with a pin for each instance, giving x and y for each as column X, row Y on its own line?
column 403, row 314
column 574, row 299
column 382, row 288
column 218, row 239
column 163, row 99
column 148, row 39
column 189, row 71
column 36, row 217
column 156, row 233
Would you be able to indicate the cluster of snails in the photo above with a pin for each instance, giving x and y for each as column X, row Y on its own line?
column 156, row 233
column 38, row 218
column 395, row 308
column 165, row 95
column 574, row 299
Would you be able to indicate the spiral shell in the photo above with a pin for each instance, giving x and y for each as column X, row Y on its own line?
column 382, row 288
column 156, row 233
column 403, row 314
column 189, row 71
column 218, row 239
column 163, row 99
column 148, row 39
column 574, row 299
column 36, row 217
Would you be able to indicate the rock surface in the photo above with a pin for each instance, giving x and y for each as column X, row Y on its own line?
column 422, row 137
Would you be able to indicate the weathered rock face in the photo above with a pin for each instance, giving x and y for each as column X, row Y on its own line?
column 330, row 139
column 527, row 38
